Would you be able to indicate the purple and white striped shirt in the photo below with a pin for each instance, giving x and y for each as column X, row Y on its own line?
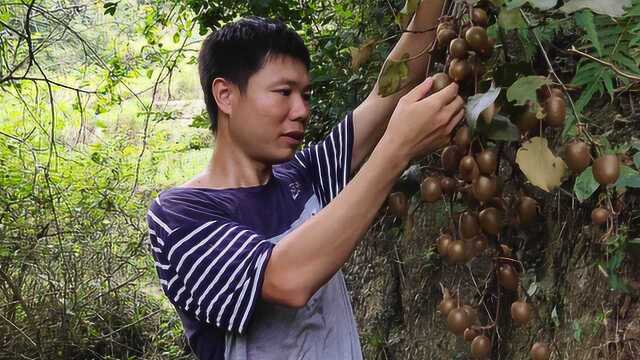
column 211, row 248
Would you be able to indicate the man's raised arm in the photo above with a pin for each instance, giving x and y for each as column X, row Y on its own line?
column 370, row 118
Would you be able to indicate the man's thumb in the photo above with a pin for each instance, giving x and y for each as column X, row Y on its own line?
column 420, row 91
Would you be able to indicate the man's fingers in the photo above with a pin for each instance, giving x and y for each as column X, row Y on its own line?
column 455, row 120
column 454, row 106
column 448, row 94
column 420, row 91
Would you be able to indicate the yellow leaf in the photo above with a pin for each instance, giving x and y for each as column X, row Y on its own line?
column 360, row 55
column 540, row 165
column 393, row 74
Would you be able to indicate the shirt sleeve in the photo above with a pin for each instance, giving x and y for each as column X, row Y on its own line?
column 328, row 163
column 212, row 271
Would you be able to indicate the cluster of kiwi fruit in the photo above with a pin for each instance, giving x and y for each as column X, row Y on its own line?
column 554, row 106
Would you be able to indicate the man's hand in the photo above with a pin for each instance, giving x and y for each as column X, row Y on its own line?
column 422, row 122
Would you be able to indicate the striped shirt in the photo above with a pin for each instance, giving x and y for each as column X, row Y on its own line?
column 211, row 248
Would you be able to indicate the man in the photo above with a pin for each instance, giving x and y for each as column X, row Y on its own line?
column 249, row 251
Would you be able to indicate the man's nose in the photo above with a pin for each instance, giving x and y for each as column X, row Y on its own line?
column 300, row 109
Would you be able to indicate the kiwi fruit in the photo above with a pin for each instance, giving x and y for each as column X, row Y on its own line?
column 458, row 321
column 487, row 114
column 457, row 252
column 459, row 70
column 606, row 169
column 577, row 155
column 484, row 188
column 440, row 81
column 468, row 168
column 443, row 243
column 470, row 334
column 477, row 38
column 547, row 91
column 555, row 109
column 462, row 138
column 527, row 209
column 468, row 225
column 447, row 304
column 448, row 185
column 398, row 204
column 520, row 312
column 481, row 347
column 479, row 17
column 490, row 220
column 599, row 216
column 508, row 278
column 480, row 244
column 430, row 190
column 450, row 158
column 458, row 48
column 444, row 36
column 527, row 121
column 487, row 161
column 540, row 351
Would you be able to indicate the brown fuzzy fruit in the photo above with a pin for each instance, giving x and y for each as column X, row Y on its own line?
column 443, row 243
column 481, row 347
column 527, row 121
column 463, row 137
column 445, row 35
column 457, row 252
column 468, row 168
column 470, row 334
column 459, row 70
column 555, row 109
column 606, row 169
column 490, row 220
column 540, row 351
column 458, row 321
column 440, row 81
column 577, row 156
column 599, row 216
column 508, row 278
column 479, row 17
column 484, row 188
column 447, row 304
column 398, row 204
column 477, row 39
column 520, row 312
column 450, row 158
column 430, row 190
column 527, row 209
column 480, row 244
column 547, row 91
column 458, row 48
column 487, row 161
column 448, row 185
column 468, row 225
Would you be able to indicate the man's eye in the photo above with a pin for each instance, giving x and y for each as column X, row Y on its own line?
column 285, row 92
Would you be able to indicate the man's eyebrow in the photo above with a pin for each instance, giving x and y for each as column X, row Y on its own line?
column 291, row 83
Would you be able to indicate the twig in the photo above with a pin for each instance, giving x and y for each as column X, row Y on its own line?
column 600, row 61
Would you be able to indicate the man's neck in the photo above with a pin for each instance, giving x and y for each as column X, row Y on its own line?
column 230, row 167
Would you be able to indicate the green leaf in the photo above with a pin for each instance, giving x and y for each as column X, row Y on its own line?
column 393, row 74
column 523, row 91
column 404, row 16
column 584, row 19
column 511, row 19
column 477, row 103
column 628, row 178
column 176, row 38
column 500, row 129
column 540, row 4
column 605, row 7
column 585, row 184
column 110, row 8
column 636, row 160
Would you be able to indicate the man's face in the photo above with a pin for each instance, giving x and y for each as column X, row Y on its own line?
column 268, row 121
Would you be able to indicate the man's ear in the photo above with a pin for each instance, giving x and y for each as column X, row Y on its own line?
column 223, row 93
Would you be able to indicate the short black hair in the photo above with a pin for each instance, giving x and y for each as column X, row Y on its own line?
column 240, row 49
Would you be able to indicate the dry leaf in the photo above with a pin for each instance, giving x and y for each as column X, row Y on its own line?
column 540, row 165
column 361, row 54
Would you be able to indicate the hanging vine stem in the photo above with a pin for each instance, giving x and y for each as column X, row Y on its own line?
column 579, row 124
column 602, row 62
